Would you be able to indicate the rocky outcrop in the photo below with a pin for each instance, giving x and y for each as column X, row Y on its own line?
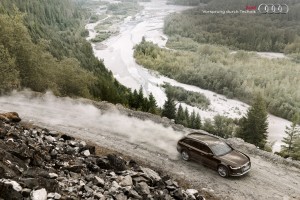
column 40, row 164
column 10, row 117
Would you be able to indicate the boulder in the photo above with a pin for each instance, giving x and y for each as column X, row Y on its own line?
column 10, row 190
column 10, row 117
column 142, row 188
column 99, row 181
column 151, row 174
column 40, row 194
column 116, row 162
column 127, row 181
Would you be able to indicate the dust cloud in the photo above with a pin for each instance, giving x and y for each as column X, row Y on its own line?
column 66, row 112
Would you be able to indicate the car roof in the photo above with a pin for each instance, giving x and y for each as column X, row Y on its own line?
column 204, row 137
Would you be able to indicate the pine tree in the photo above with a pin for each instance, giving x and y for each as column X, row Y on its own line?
column 192, row 120
column 9, row 76
column 197, row 122
column 152, row 104
column 140, row 99
column 135, row 103
column 219, row 125
column 186, row 117
column 293, row 133
column 180, row 116
column 130, row 99
column 254, row 125
column 296, row 153
column 208, row 126
column 169, row 108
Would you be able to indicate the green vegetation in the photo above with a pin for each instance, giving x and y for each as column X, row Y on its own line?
column 221, row 126
column 291, row 147
column 253, row 127
column 191, row 98
column 238, row 75
column 180, row 116
column 115, row 13
column 123, row 8
column 169, row 108
column 137, row 101
column 94, row 18
column 101, row 37
column 42, row 47
column 107, row 27
column 9, row 76
column 255, row 32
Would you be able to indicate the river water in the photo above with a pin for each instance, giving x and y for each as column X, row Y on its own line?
column 117, row 53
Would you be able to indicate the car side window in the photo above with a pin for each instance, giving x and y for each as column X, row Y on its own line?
column 186, row 141
column 204, row 148
column 191, row 142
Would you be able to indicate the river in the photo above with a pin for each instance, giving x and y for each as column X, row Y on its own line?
column 117, row 53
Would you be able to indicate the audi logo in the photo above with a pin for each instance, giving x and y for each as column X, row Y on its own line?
column 273, row 8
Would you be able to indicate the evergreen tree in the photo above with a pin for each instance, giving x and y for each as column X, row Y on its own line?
column 135, row 103
column 152, row 104
column 9, row 76
column 293, row 133
column 186, row 117
column 130, row 100
column 296, row 153
column 169, row 108
column 254, row 125
column 219, row 125
column 197, row 122
column 208, row 126
column 140, row 99
column 192, row 120
column 180, row 116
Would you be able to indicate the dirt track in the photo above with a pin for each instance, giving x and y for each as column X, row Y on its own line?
column 155, row 145
column 265, row 181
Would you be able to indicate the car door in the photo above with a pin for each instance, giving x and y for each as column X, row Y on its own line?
column 207, row 156
column 190, row 146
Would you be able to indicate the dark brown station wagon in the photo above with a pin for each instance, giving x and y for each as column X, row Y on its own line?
column 214, row 153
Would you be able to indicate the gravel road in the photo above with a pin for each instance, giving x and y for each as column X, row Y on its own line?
column 152, row 140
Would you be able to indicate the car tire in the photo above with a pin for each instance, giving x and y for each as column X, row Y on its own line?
column 223, row 171
column 185, row 155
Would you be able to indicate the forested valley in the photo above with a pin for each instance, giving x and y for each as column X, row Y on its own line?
column 43, row 47
column 254, row 32
column 209, row 53
column 237, row 75
column 213, row 51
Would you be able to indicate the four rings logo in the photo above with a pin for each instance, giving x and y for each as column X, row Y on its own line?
column 273, row 8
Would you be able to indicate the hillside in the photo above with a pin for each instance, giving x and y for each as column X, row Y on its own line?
column 151, row 140
column 60, row 59
column 51, row 165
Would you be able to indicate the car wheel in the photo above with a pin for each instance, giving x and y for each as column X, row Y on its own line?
column 185, row 155
column 223, row 171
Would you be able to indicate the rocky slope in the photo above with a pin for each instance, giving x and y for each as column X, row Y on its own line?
column 151, row 140
column 39, row 164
